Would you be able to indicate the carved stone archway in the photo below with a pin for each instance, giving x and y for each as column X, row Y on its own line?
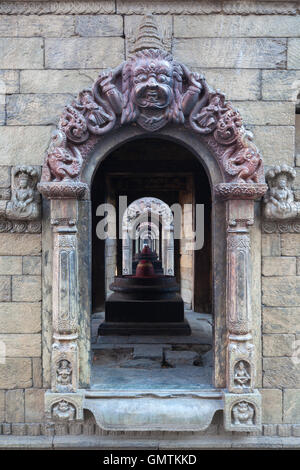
column 153, row 92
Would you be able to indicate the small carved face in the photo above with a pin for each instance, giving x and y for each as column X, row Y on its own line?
column 243, row 407
column 153, row 82
column 282, row 182
column 63, row 405
column 23, row 181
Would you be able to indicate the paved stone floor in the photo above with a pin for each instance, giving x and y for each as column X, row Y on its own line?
column 154, row 362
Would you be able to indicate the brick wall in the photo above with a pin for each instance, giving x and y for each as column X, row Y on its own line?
column 48, row 52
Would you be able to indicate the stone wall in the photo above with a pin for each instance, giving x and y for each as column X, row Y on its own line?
column 48, row 52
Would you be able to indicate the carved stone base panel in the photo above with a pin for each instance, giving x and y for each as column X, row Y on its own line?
column 242, row 412
column 64, row 367
column 64, row 406
column 241, row 368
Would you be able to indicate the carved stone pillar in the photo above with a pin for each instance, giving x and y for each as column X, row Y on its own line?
column 242, row 403
column 64, row 401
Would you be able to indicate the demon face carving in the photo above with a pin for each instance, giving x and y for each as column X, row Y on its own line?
column 152, row 84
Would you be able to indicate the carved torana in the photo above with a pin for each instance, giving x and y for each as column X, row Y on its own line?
column 151, row 89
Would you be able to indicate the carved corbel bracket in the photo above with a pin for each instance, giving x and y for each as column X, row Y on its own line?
column 281, row 211
column 20, row 205
column 64, row 406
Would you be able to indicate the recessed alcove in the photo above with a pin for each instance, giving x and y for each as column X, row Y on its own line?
column 165, row 171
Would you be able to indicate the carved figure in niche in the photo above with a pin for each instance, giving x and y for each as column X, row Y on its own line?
column 279, row 200
column 243, row 413
column 61, row 162
column 24, row 203
column 64, row 375
column 241, row 375
column 63, row 411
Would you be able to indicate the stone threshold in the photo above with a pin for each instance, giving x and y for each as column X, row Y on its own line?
column 179, row 442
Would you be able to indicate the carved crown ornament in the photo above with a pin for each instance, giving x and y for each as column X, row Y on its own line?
column 152, row 90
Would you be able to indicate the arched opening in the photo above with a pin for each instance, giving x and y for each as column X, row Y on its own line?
column 165, row 176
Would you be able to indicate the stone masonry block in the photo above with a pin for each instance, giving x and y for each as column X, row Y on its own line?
column 277, row 143
column 15, row 373
column 281, row 291
column 293, row 55
column 291, row 406
column 20, row 244
column 9, row 81
column 290, row 244
column 19, row 317
column 26, row 288
column 279, row 266
column 56, row 81
column 5, row 173
column 100, row 25
column 236, row 84
column 278, row 345
column 22, row 345
column 35, row 25
column 37, row 109
column 236, row 26
column 271, row 406
column 21, row 53
column 5, row 288
column 280, row 372
column 83, row 53
column 10, row 265
column 280, row 84
column 2, row 405
column 281, row 320
column 231, row 52
column 27, row 144
column 32, row 265
column 267, row 113
column 34, row 405
column 270, row 244
column 15, row 406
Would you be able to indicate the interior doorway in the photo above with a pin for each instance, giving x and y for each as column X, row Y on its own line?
column 161, row 170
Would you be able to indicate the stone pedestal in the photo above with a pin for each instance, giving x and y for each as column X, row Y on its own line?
column 144, row 306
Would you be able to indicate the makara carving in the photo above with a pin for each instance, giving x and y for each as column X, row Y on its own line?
column 153, row 90
column 21, row 213
column 281, row 211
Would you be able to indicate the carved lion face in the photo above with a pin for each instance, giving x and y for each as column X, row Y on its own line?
column 152, row 83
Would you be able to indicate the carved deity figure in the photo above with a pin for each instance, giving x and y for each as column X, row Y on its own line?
column 63, row 411
column 64, row 375
column 243, row 413
column 279, row 200
column 24, row 202
column 241, row 376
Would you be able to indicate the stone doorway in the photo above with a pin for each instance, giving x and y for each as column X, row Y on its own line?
column 165, row 171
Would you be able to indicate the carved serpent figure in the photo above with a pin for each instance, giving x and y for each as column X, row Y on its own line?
column 242, row 160
column 62, row 163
